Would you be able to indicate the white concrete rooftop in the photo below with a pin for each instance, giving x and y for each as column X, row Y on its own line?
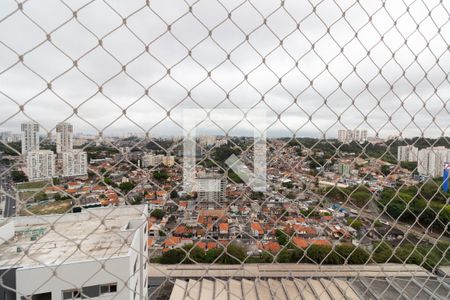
column 97, row 233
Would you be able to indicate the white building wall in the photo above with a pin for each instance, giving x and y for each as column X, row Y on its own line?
column 90, row 272
column 30, row 137
column 64, row 137
column 6, row 230
column 74, row 163
column 431, row 161
column 40, row 165
column 407, row 153
column 56, row 279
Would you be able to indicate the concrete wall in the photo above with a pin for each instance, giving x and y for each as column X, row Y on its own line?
column 55, row 279
column 6, row 231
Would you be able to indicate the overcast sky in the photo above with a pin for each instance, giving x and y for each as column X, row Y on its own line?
column 384, row 69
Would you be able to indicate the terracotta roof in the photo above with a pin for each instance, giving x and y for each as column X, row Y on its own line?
column 306, row 229
column 150, row 242
column 172, row 241
column 299, row 242
column 223, row 227
column 181, row 229
column 257, row 227
column 327, row 218
column 320, row 242
column 273, row 247
column 213, row 213
column 206, row 246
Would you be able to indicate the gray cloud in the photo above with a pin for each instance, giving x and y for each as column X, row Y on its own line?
column 397, row 65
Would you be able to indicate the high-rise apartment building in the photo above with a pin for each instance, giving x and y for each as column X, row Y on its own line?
column 210, row 191
column 40, row 164
column 431, row 161
column 407, row 153
column 64, row 137
column 152, row 160
column 103, row 257
column 30, row 137
column 74, row 163
column 347, row 135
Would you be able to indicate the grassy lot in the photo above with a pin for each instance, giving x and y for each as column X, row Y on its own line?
column 56, row 207
column 31, row 185
column 27, row 196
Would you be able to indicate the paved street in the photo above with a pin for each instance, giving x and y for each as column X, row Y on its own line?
column 6, row 191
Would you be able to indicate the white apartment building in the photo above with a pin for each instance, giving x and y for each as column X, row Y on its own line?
column 64, row 137
column 30, row 137
column 100, row 254
column 152, row 160
column 407, row 153
column 74, row 163
column 347, row 136
column 40, row 165
column 168, row 160
column 431, row 161
column 210, row 191
column 207, row 140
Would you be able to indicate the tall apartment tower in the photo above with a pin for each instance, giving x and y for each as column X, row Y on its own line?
column 30, row 137
column 407, row 153
column 211, row 191
column 74, row 163
column 431, row 161
column 347, row 135
column 40, row 164
column 363, row 136
column 64, row 137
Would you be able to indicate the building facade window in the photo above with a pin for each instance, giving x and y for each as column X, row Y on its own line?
column 71, row 294
column 108, row 288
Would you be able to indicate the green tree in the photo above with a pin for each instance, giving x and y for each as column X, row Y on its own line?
column 160, row 175
column 353, row 254
column 235, row 254
column 126, row 187
column 284, row 256
column 355, row 223
column 18, row 176
column 298, row 255
column 173, row 194
column 282, row 237
column 407, row 254
column 382, row 252
column 157, row 213
column 213, row 254
column 40, row 196
column 173, row 256
column 288, row 185
column 194, row 254
column 323, row 254
column 136, row 200
column 385, row 170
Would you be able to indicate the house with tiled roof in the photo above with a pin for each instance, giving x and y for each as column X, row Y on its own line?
column 272, row 247
column 256, row 229
column 300, row 242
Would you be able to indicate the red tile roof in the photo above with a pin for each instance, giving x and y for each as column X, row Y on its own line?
column 299, row 242
column 320, row 242
column 273, row 247
column 172, row 241
column 257, row 227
